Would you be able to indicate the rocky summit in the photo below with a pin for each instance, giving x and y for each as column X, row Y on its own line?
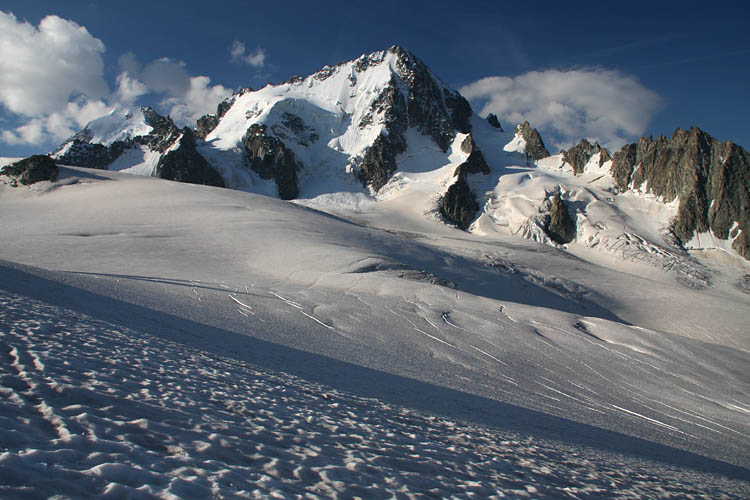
column 535, row 149
column 578, row 156
column 31, row 170
column 710, row 178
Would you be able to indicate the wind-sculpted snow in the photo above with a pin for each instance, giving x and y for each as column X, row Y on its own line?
column 271, row 306
column 96, row 409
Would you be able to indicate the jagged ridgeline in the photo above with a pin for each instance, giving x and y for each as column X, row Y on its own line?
column 352, row 117
column 125, row 140
column 709, row 178
column 346, row 127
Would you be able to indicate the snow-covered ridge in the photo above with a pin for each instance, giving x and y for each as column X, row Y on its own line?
column 355, row 132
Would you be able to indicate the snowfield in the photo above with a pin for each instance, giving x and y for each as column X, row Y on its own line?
column 178, row 341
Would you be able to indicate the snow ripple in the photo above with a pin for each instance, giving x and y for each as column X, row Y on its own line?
column 93, row 409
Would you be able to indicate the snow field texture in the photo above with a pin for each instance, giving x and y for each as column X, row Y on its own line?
column 506, row 338
column 96, row 409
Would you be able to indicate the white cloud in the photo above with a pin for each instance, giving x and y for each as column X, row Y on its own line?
column 168, row 76
column 56, row 126
column 256, row 59
column 30, row 133
column 129, row 89
column 201, row 98
column 51, row 81
column 42, row 67
column 567, row 105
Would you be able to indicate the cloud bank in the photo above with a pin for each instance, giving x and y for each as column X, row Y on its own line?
column 566, row 105
column 52, row 82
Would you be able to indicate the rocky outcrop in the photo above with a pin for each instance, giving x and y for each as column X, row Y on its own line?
column 185, row 164
column 163, row 135
column 459, row 205
column 271, row 159
column 79, row 151
column 416, row 99
column 475, row 162
column 535, row 149
column 207, row 123
column 711, row 179
column 31, row 170
column 179, row 159
column 493, row 120
column 379, row 162
column 579, row 156
column 432, row 108
column 558, row 224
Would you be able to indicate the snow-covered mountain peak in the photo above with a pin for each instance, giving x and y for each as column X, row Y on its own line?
column 345, row 123
column 120, row 124
column 384, row 125
column 361, row 93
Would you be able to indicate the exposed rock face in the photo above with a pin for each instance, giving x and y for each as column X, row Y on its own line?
column 535, row 149
column 578, row 156
column 492, row 120
column 81, row 152
column 459, row 205
column 179, row 159
column 475, row 162
column 558, row 224
column 185, row 164
column 31, row 170
column 413, row 98
column 207, row 123
column 379, row 162
column 271, row 159
column 163, row 135
column 293, row 128
column 432, row 108
column 711, row 179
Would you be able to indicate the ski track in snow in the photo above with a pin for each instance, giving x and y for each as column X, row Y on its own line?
column 93, row 409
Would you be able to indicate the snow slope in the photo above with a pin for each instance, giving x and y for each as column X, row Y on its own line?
column 97, row 408
column 251, row 315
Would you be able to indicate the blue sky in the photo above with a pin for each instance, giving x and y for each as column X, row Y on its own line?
column 607, row 70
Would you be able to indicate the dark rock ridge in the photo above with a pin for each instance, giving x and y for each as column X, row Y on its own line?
column 710, row 177
column 207, row 123
column 82, row 153
column 535, row 149
column 578, row 156
column 558, row 224
column 31, row 170
column 459, row 205
column 492, row 120
column 414, row 98
column 185, row 164
column 182, row 163
column 379, row 162
column 432, row 108
column 475, row 162
column 292, row 127
column 271, row 159
column 164, row 132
